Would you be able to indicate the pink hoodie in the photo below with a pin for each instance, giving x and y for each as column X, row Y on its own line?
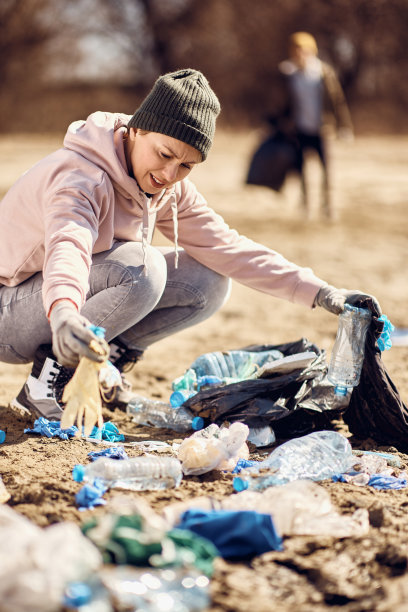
column 78, row 200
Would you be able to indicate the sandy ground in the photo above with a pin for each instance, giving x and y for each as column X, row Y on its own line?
column 365, row 248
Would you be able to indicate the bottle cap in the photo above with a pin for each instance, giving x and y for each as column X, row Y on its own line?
column 197, row 423
column 340, row 390
column 239, row 484
column 77, row 594
column 78, row 473
column 2, row 436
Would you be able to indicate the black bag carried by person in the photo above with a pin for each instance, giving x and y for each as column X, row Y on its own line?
column 272, row 162
column 294, row 399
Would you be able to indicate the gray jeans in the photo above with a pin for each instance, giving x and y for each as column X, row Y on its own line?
column 135, row 307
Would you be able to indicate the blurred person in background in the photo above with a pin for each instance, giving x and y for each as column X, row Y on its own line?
column 311, row 92
column 75, row 245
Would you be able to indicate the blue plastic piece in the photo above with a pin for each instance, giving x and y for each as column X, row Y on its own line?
column 244, row 463
column 77, row 594
column 113, row 452
column 78, row 473
column 91, row 495
column 52, row 429
column 108, row 432
column 384, row 341
column 2, row 436
column 340, row 390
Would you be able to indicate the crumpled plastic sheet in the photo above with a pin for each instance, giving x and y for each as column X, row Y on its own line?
column 113, row 452
column 37, row 563
column 52, row 429
column 90, row 495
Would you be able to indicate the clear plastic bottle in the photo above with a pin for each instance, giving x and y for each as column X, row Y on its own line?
column 155, row 413
column 225, row 366
column 348, row 351
column 317, row 456
column 136, row 474
column 149, row 589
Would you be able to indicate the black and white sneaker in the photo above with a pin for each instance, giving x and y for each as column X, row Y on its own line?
column 119, row 394
column 42, row 392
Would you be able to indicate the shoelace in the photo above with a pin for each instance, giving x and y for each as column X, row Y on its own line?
column 59, row 380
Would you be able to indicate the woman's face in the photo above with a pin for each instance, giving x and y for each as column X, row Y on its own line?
column 158, row 161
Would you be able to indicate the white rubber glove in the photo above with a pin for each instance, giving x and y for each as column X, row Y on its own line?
column 333, row 300
column 71, row 336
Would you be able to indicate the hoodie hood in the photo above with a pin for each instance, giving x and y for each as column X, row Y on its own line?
column 100, row 140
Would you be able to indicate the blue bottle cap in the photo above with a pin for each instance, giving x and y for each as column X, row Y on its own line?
column 2, row 436
column 197, row 423
column 77, row 594
column 78, row 473
column 177, row 398
column 340, row 390
column 239, row 484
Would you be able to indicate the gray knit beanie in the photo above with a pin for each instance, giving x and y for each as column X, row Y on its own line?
column 181, row 105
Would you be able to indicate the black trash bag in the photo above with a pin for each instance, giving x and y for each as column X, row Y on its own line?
column 376, row 409
column 294, row 403
column 272, row 161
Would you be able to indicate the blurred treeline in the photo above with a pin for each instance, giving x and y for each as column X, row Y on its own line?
column 61, row 60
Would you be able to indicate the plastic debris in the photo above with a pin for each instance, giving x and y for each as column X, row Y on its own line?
column 52, row 429
column 114, row 452
column 384, row 342
column 317, row 456
column 214, row 448
column 235, row 534
column 261, row 436
column 151, row 590
column 36, row 564
column 2, row 436
column 146, row 540
column 90, row 495
column 147, row 473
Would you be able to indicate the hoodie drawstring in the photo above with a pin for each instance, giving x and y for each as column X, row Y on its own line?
column 175, row 230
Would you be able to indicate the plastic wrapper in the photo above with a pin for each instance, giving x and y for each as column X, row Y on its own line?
column 214, row 448
column 295, row 399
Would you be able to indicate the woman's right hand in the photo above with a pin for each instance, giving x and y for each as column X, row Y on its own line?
column 71, row 335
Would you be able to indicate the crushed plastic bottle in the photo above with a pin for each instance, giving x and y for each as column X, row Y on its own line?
column 348, row 351
column 155, row 413
column 135, row 474
column 223, row 368
column 317, row 456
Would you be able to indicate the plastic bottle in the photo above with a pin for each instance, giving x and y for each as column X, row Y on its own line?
column 136, row 474
column 319, row 455
column 348, row 351
column 149, row 589
column 154, row 413
column 224, row 367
